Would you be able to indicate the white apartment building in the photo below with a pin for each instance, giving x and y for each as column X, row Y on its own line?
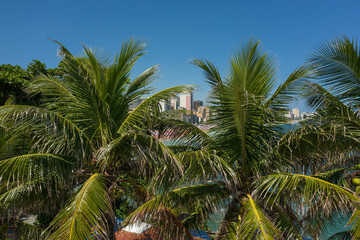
column 186, row 100
column 296, row 113
column 174, row 103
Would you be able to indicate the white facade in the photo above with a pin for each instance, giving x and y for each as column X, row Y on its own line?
column 164, row 106
column 296, row 113
column 182, row 102
column 186, row 100
column 174, row 103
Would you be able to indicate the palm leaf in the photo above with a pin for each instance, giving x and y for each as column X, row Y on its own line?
column 85, row 214
column 42, row 121
column 134, row 118
column 210, row 71
column 337, row 63
column 28, row 231
column 160, row 210
column 341, row 236
column 31, row 166
column 253, row 223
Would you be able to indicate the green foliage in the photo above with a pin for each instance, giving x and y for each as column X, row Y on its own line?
column 14, row 80
column 89, row 207
column 85, row 145
column 248, row 125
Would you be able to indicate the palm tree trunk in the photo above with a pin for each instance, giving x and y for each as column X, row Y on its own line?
column 230, row 216
column 111, row 226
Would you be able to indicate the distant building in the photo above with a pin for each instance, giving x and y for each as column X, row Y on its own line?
column 164, row 106
column 186, row 100
column 203, row 113
column 296, row 113
column 305, row 115
column 174, row 103
column 197, row 104
column 288, row 115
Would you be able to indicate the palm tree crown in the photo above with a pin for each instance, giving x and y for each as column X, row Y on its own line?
column 250, row 132
column 84, row 144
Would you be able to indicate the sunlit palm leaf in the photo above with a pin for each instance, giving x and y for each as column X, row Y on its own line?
column 85, row 214
column 253, row 223
column 337, row 63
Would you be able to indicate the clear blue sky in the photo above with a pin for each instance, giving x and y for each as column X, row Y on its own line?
column 175, row 31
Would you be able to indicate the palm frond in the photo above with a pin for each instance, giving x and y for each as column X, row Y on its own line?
column 135, row 117
column 157, row 214
column 11, row 144
column 337, row 63
column 85, row 214
column 210, row 71
column 287, row 91
column 207, row 165
column 347, row 235
column 160, row 211
column 148, row 155
column 23, row 168
column 182, row 133
column 37, row 195
column 302, row 190
column 253, row 223
column 28, row 231
column 287, row 221
column 43, row 122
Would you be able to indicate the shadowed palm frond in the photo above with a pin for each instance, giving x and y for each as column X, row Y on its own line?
column 29, row 167
column 150, row 153
column 39, row 195
column 28, row 231
column 201, row 200
column 11, row 144
column 347, row 235
column 46, row 124
column 207, row 165
column 305, row 191
column 158, row 215
column 315, row 222
column 287, row 221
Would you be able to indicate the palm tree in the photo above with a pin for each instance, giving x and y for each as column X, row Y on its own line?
column 251, row 135
column 86, row 149
column 332, row 134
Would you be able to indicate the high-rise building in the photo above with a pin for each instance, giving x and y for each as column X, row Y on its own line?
column 204, row 113
column 288, row 115
column 197, row 104
column 174, row 103
column 164, row 106
column 296, row 113
column 186, row 100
